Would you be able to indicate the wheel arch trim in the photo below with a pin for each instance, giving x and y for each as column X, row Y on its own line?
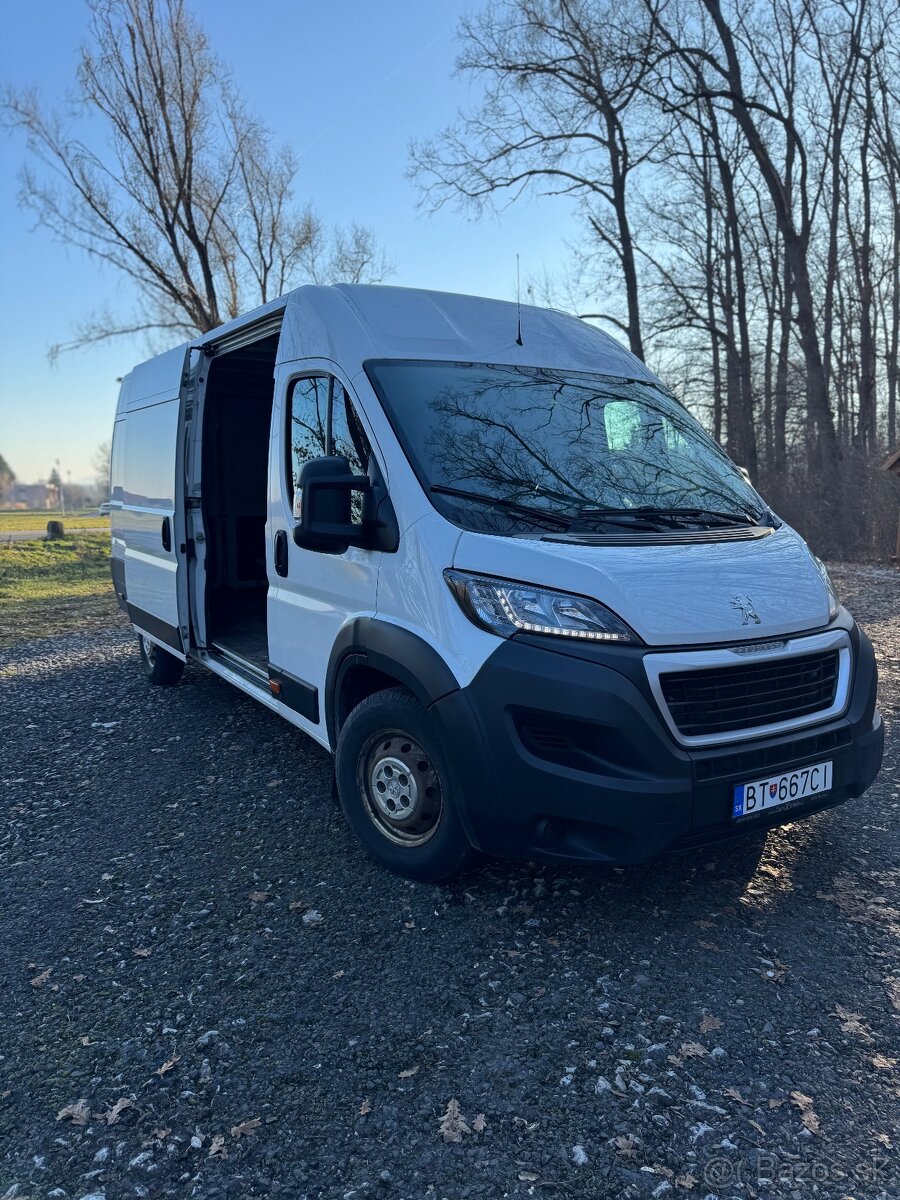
column 391, row 649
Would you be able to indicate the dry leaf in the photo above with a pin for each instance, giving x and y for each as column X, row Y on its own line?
column 882, row 1061
column 759, row 1129
column 706, row 924
column 529, row 1176
column 884, row 1140
column 142, row 953
column 161, row 1134
column 246, row 1128
column 893, row 990
column 295, row 904
column 626, row 1145
column 167, row 1065
column 709, row 946
column 807, row 1116
column 811, row 1121
column 78, row 1113
column 693, row 1050
column 776, row 1103
column 217, row 1147
column 40, row 980
column 365, row 1107
column 86, row 1041
column 79, row 978
column 709, row 1023
column 117, row 1109
column 408, row 1073
column 734, row 1094
column 259, row 897
column 480, row 1123
column 453, row 1125
column 852, row 1022
column 686, row 1181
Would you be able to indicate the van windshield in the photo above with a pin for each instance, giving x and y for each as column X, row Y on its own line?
column 500, row 448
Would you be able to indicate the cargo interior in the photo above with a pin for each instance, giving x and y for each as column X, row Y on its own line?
column 237, row 413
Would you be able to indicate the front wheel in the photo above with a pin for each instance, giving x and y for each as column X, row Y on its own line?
column 162, row 668
column 395, row 790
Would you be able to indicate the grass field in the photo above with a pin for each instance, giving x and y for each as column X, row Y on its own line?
column 54, row 587
column 38, row 518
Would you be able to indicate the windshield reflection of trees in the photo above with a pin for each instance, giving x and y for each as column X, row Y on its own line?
column 539, row 438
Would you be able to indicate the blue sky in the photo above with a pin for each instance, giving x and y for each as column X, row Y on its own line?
column 346, row 84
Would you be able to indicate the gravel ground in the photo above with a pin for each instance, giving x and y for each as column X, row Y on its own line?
column 207, row 991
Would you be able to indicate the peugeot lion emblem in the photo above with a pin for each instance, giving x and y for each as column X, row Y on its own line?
column 744, row 605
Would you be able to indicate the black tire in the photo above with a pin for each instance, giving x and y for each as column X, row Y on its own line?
column 411, row 826
column 162, row 668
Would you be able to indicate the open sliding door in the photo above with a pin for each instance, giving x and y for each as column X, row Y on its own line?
column 151, row 519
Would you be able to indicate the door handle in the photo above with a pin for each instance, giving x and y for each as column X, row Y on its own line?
column 166, row 535
column 281, row 552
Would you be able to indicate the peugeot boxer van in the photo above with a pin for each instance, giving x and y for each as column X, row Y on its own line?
column 484, row 557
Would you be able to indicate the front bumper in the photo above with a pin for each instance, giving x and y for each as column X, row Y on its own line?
column 561, row 754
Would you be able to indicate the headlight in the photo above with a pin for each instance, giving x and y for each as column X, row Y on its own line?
column 506, row 608
column 834, row 604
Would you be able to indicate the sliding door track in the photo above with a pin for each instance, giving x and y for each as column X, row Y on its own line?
column 252, row 671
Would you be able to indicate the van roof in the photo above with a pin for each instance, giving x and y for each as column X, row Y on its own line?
column 372, row 321
column 350, row 323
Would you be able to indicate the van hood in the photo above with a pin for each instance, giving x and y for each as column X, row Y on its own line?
column 672, row 594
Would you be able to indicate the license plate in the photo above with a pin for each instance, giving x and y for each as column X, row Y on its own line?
column 763, row 794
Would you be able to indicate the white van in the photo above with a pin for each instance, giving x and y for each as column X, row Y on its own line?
column 486, row 559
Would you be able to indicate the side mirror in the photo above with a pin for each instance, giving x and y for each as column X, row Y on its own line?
column 326, row 516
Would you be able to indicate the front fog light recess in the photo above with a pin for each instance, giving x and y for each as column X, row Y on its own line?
column 506, row 607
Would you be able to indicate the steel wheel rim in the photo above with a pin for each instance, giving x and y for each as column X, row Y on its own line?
column 400, row 788
column 149, row 650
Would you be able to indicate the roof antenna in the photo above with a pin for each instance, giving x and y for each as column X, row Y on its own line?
column 519, row 341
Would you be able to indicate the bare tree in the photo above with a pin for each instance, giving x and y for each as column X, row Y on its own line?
column 100, row 463
column 189, row 198
column 7, row 477
column 564, row 82
column 738, row 170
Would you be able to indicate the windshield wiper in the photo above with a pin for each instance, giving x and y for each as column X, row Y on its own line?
column 523, row 510
column 673, row 515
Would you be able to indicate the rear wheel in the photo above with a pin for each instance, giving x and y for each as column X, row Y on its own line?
column 395, row 790
column 162, row 668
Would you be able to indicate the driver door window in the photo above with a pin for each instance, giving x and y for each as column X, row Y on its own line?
column 323, row 421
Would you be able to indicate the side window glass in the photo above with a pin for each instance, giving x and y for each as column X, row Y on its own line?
column 308, row 433
column 349, row 439
column 307, row 427
column 347, row 432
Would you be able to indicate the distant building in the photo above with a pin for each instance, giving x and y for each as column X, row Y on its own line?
column 32, row 495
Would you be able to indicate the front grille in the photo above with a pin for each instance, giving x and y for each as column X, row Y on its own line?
column 751, row 763
column 726, row 699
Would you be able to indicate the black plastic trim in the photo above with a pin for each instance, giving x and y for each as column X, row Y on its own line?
column 297, row 694
column 168, row 635
column 563, row 756
column 118, row 581
column 394, row 651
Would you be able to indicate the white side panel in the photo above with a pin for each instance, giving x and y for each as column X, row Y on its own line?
column 148, row 508
column 307, row 608
column 413, row 593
